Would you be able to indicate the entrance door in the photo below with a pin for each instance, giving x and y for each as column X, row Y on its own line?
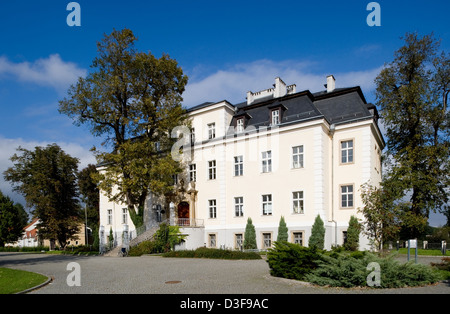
column 183, row 214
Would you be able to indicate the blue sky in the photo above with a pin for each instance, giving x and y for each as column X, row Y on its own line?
column 225, row 47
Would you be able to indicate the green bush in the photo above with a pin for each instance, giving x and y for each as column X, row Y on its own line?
column 350, row 270
column 292, row 261
column 213, row 253
column 145, row 247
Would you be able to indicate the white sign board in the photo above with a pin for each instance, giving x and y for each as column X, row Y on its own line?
column 413, row 244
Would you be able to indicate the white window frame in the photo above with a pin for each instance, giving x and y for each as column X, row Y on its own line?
column 347, row 151
column 240, row 125
column 267, row 240
column 238, row 240
column 275, row 118
column 212, row 170
column 212, row 237
column 239, row 206
column 298, row 202
column 238, row 166
column 298, row 240
column 266, row 161
column 347, row 197
column 124, row 216
column 212, row 209
column 211, row 130
column 192, row 136
column 297, row 157
column 109, row 217
column 267, row 204
column 192, row 172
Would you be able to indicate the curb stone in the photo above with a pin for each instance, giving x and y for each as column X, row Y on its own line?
column 49, row 280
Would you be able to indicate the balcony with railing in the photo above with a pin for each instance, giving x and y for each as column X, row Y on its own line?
column 187, row 222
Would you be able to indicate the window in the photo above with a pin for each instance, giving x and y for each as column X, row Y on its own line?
column 109, row 217
column 267, row 161
column 192, row 136
column 240, row 125
column 124, row 215
column 212, row 209
column 267, row 240
column 238, row 206
column 193, row 173
column 347, row 152
column 238, row 166
column 297, row 157
column 297, row 202
column 175, row 179
column 347, row 196
column 267, row 204
column 211, row 130
column 298, row 238
column 212, row 240
column 212, row 170
column 239, row 241
column 275, row 117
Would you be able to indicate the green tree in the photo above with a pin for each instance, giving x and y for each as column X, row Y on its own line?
column 13, row 219
column 47, row 178
column 353, row 231
column 317, row 237
column 133, row 100
column 412, row 92
column 381, row 215
column 90, row 196
column 250, row 236
column 282, row 230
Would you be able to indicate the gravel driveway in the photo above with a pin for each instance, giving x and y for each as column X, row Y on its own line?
column 154, row 274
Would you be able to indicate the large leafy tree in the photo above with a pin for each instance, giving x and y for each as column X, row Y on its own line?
column 90, row 194
column 47, row 178
column 412, row 92
column 133, row 100
column 13, row 219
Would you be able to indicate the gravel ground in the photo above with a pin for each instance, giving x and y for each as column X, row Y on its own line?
column 158, row 275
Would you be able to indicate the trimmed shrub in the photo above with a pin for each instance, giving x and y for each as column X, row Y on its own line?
column 317, row 237
column 204, row 252
column 292, row 261
column 346, row 270
column 282, row 230
column 250, row 236
column 354, row 228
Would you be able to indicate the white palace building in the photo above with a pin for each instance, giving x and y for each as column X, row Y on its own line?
column 279, row 153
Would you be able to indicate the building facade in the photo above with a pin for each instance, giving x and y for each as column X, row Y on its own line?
column 279, row 153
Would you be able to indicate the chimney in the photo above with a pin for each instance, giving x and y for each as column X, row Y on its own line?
column 280, row 88
column 331, row 83
column 250, row 97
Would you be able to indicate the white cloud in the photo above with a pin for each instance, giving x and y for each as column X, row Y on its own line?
column 8, row 149
column 51, row 71
column 233, row 83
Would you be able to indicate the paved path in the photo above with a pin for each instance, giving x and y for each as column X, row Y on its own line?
column 150, row 274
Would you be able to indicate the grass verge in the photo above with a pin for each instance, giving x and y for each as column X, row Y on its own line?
column 14, row 281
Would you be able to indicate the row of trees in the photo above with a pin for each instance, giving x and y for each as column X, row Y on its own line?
column 49, row 180
column 317, row 238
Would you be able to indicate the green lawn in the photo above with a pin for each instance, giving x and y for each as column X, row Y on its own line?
column 13, row 280
column 423, row 252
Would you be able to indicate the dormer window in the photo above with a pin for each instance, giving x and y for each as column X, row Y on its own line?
column 240, row 125
column 276, row 113
column 275, row 117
